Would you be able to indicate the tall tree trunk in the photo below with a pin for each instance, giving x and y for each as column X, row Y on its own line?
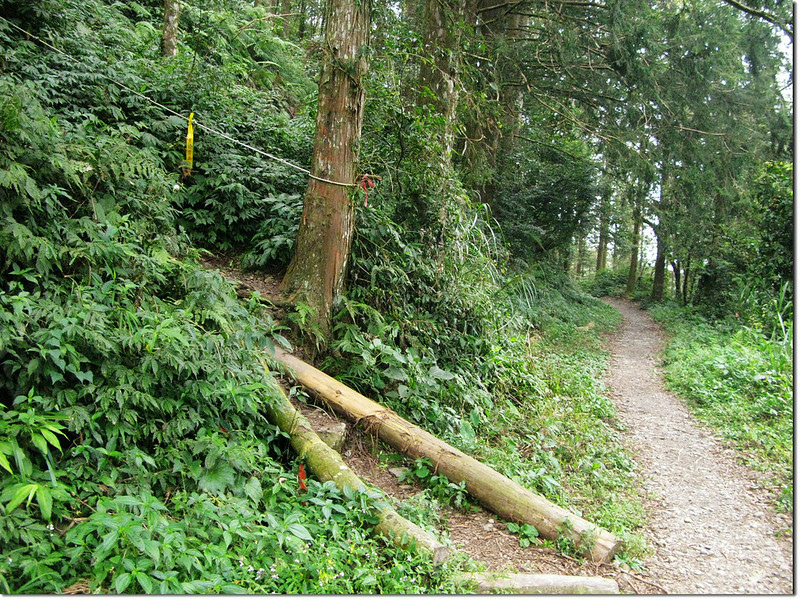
column 660, row 270
column 169, row 37
column 489, row 137
column 676, row 273
column 637, row 225
column 685, row 290
column 602, row 243
column 286, row 19
column 616, row 255
column 301, row 27
column 581, row 255
column 316, row 273
column 439, row 73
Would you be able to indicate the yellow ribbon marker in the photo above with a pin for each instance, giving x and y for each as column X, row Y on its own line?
column 187, row 170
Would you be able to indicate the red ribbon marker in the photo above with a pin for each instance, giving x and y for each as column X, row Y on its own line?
column 365, row 181
column 301, row 476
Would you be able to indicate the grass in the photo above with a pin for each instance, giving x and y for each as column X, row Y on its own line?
column 741, row 384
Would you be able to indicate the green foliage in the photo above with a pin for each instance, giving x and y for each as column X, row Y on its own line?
column 274, row 240
column 543, row 205
column 527, row 533
column 424, row 472
column 606, row 282
column 741, row 383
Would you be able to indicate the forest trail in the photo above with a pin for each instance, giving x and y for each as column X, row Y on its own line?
column 713, row 530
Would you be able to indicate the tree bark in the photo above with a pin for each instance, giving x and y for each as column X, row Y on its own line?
column 439, row 72
column 327, row 464
column 498, row 493
column 602, row 244
column 169, row 37
column 316, row 273
column 659, row 271
column 286, row 19
column 637, row 224
column 676, row 271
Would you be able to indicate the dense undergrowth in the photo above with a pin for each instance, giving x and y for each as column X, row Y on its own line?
column 134, row 453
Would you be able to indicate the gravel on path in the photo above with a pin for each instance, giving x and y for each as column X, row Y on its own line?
column 713, row 528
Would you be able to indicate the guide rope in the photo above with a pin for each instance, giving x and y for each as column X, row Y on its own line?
column 180, row 116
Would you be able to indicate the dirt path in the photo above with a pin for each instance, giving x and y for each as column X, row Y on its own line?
column 713, row 530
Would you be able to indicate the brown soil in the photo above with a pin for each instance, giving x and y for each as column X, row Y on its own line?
column 265, row 283
column 710, row 520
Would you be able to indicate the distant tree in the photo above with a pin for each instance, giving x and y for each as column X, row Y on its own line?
column 169, row 38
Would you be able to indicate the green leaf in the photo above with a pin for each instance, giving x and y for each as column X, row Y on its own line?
column 45, row 500
column 300, row 531
column 442, row 375
column 39, row 442
column 467, row 433
column 253, row 489
column 85, row 376
column 122, row 582
column 51, row 438
column 145, row 582
column 109, row 540
column 217, row 479
column 23, row 491
column 394, row 373
column 5, row 463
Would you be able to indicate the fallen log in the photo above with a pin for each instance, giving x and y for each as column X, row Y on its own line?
column 327, row 464
column 541, row 584
column 496, row 492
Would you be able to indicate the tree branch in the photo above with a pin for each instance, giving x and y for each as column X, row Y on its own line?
column 762, row 15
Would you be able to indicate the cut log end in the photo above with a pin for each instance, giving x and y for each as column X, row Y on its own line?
column 606, row 546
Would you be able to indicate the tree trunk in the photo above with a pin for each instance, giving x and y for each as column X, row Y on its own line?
column 490, row 137
column 169, row 37
column 602, row 244
column 637, row 224
column 581, row 255
column 676, row 272
column 286, row 19
column 660, row 270
column 301, row 20
column 438, row 73
column 327, row 464
column 316, row 273
column 685, row 292
column 616, row 255
column 503, row 496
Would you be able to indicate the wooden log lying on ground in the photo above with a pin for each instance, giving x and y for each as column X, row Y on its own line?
column 541, row 584
column 327, row 464
column 496, row 492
